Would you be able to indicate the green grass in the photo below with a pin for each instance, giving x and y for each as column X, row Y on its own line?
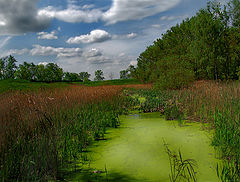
column 24, row 85
column 110, row 82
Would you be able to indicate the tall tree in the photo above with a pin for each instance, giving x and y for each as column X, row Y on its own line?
column 99, row 75
column 235, row 12
column 71, row 77
column 1, row 69
column 124, row 74
column 26, row 71
column 84, row 76
column 8, row 66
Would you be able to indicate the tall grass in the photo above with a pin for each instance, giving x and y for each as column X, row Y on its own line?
column 181, row 169
column 216, row 104
column 42, row 132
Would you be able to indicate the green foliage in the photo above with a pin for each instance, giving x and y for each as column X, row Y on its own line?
column 98, row 75
column 235, row 12
column 124, row 74
column 173, row 74
column 84, row 76
column 26, row 71
column 181, row 169
column 172, row 112
column 206, row 46
column 71, row 77
column 58, row 137
column 7, row 67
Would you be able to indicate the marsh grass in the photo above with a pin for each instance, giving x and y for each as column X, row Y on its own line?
column 42, row 132
column 216, row 104
column 181, row 169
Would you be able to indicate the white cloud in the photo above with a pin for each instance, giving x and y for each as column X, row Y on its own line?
column 131, row 35
column 94, row 52
column 48, row 36
column 170, row 18
column 72, row 14
column 60, row 52
column 124, row 10
column 134, row 63
column 121, row 10
column 94, row 36
column 43, row 63
column 18, row 51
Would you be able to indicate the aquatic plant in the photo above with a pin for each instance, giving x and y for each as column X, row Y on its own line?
column 215, row 104
column 181, row 169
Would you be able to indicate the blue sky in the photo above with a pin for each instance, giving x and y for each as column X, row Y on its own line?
column 86, row 35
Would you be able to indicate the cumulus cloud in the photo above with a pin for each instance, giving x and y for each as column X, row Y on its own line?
column 124, row 10
column 93, row 37
column 60, row 52
column 94, row 52
column 20, row 16
column 121, row 10
column 131, row 35
column 43, row 63
column 73, row 14
column 18, row 51
column 48, row 36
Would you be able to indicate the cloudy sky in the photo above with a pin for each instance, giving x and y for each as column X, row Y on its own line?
column 86, row 35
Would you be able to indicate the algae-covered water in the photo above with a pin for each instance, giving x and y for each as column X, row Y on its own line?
column 135, row 151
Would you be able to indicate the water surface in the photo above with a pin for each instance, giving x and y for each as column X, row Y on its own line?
column 135, row 151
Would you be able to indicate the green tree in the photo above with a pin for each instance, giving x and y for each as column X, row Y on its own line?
column 235, row 12
column 41, row 73
column 124, row 74
column 99, row 75
column 1, row 69
column 26, row 71
column 8, row 67
column 71, row 77
column 54, row 72
column 174, row 73
column 84, row 76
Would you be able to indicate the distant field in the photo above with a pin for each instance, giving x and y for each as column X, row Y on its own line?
column 111, row 82
column 23, row 85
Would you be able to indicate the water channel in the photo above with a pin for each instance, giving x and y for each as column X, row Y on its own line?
column 135, row 151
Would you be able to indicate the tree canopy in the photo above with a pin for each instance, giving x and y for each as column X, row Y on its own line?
column 206, row 46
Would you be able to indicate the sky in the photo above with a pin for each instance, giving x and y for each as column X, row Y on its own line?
column 87, row 35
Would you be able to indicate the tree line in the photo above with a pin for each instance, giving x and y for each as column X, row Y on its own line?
column 50, row 72
column 206, row 46
column 39, row 73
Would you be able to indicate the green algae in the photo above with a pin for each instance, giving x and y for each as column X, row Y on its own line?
column 135, row 151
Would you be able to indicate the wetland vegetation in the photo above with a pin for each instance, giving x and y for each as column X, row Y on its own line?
column 189, row 77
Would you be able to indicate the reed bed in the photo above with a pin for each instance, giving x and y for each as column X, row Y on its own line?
column 215, row 104
column 41, row 132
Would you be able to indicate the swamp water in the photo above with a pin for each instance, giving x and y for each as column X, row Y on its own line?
column 135, row 151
